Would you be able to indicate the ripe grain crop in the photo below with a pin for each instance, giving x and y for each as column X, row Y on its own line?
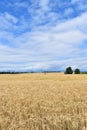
column 51, row 101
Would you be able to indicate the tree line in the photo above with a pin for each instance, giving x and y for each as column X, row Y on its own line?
column 8, row 72
column 69, row 70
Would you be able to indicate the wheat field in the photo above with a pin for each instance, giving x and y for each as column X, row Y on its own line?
column 51, row 101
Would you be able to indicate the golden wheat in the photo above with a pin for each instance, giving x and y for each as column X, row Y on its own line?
column 43, row 102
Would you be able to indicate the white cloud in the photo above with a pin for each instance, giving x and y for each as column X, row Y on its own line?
column 44, row 4
column 68, row 12
column 8, row 21
column 10, row 17
column 20, row 5
column 81, row 5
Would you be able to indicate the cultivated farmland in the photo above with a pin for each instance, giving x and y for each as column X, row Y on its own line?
column 52, row 101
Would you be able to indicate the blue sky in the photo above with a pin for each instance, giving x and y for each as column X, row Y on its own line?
column 43, row 34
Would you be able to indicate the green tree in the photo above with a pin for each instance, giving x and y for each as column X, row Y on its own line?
column 68, row 70
column 77, row 71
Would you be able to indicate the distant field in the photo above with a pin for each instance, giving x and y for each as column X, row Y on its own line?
column 51, row 101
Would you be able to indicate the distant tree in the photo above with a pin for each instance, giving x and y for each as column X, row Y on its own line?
column 77, row 71
column 68, row 70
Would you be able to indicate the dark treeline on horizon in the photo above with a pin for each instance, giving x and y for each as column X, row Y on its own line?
column 14, row 72
column 4, row 72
